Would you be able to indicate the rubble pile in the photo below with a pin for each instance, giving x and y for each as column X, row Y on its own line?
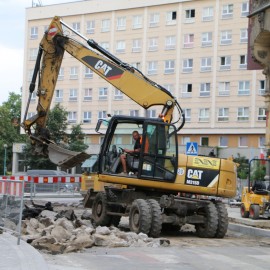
column 68, row 228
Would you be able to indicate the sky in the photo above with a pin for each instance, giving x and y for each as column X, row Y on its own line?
column 12, row 34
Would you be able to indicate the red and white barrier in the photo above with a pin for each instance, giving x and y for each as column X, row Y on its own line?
column 10, row 187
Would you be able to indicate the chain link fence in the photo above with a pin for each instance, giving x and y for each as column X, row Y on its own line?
column 11, row 205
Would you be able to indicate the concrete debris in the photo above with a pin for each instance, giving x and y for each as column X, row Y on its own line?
column 68, row 228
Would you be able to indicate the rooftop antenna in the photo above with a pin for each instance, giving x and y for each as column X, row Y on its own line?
column 36, row 3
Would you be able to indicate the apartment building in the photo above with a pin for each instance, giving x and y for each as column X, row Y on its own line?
column 196, row 49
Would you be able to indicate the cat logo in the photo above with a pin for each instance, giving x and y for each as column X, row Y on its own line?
column 102, row 67
column 194, row 174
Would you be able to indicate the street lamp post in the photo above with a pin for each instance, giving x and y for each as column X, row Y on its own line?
column 5, row 159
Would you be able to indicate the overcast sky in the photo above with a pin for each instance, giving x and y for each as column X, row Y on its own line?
column 12, row 21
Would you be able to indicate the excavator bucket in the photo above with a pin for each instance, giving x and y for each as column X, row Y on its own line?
column 65, row 158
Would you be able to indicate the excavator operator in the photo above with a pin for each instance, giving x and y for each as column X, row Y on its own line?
column 130, row 157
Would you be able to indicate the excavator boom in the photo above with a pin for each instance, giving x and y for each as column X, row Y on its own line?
column 124, row 77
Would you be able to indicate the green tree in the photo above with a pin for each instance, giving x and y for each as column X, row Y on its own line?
column 10, row 115
column 243, row 166
column 76, row 138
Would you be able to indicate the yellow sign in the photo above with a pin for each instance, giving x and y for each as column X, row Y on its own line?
column 207, row 163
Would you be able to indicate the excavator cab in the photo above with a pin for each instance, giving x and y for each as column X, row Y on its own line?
column 157, row 159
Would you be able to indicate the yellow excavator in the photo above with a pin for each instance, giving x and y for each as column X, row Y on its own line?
column 163, row 189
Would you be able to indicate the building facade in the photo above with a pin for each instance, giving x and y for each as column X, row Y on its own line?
column 196, row 49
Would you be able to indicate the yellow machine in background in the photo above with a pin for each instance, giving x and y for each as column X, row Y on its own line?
column 152, row 194
column 255, row 200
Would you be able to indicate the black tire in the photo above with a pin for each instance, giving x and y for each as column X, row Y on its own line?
column 209, row 228
column 140, row 217
column 243, row 211
column 99, row 210
column 223, row 220
column 156, row 224
column 254, row 211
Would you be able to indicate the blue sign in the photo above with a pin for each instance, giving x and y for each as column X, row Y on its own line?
column 192, row 149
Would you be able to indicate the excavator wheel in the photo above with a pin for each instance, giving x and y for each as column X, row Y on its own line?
column 140, row 216
column 99, row 210
column 209, row 228
column 156, row 224
column 254, row 211
column 223, row 221
column 243, row 211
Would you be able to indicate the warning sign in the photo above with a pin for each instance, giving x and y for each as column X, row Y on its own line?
column 192, row 148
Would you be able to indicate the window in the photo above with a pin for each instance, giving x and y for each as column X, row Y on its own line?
column 243, row 62
column 136, row 45
column 102, row 114
column 137, row 22
column 243, row 114
column 90, row 27
column 226, row 37
column 187, row 113
column 117, row 112
column 61, row 74
column 206, row 39
column 121, row 23
column 204, row 115
column 105, row 45
column 243, row 36
column 72, row 94
column 223, row 141
column 87, row 94
column 134, row 113
column 206, row 64
column 76, row 26
column 204, row 141
column 33, row 96
column 58, row 95
column 136, row 65
column 243, row 141
column 118, row 95
column 73, row 73
column 188, row 40
column 205, row 90
column 224, row 88
column 207, row 14
column 227, row 11
column 169, row 66
column 223, row 114
column 262, row 141
column 30, row 75
column 34, row 32
column 262, row 114
column 87, row 117
column 189, row 15
column 262, row 87
column 245, row 9
column 169, row 87
column 171, row 17
column 72, row 117
column 120, row 46
column 225, row 63
column 88, row 73
column 33, row 54
column 243, row 88
column 187, row 90
column 170, row 43
column 151, row 113
column 105, row 25
column 152, row 44
column 103, row 93
column 30, row 114
column 153, row 19
column 185, row 140
column 152, row 68
column 187, row 65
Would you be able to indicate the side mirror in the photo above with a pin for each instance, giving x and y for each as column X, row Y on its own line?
column 99, row 123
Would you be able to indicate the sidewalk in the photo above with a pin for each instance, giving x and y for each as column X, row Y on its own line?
column 19, row 257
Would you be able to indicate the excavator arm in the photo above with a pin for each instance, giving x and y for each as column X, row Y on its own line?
column 124, row 77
